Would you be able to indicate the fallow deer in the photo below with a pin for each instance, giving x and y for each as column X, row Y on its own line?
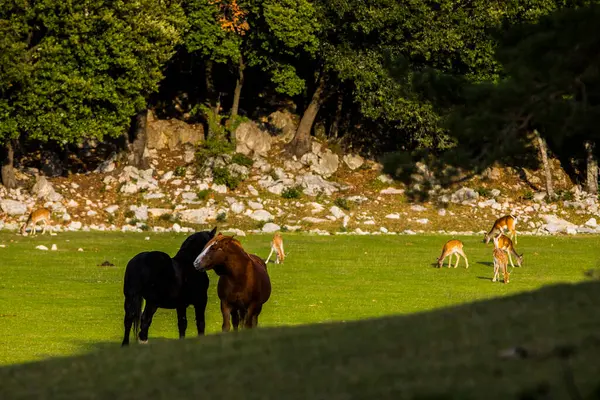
column 504, row 243
column 40, row 214
column 500, row 261
column 277, row 247
column 508, row 222
column 452, row 247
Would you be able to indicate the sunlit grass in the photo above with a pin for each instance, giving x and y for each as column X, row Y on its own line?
column 62, row 303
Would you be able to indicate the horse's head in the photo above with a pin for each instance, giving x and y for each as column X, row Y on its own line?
column 193, row 245
column 214, row 252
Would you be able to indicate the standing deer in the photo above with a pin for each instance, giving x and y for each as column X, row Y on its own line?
column 500, row 261
column 504, row 243
column 41, row 214
column 452, row 247
column 508, row 222
column 277, row 247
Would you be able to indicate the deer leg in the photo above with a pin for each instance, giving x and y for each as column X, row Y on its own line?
column 44, row 228
column 457, row 260
column 462, row 253
column 510, row 259
column 495, row 271
column 181, row 321
column 270, row 254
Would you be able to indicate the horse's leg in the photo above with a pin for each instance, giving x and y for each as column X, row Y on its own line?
column 200, row 309
column 147, row 315
column 182, row 320
column 226, row 312
column 235, row 319
column 252, row 316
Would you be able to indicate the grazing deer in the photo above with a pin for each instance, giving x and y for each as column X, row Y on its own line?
column 504, row 243
column 500, row 261
column 41, row 214
column 277, row 247
column 452, row 247
column 508, row 222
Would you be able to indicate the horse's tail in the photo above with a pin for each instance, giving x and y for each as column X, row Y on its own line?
column 133, row 302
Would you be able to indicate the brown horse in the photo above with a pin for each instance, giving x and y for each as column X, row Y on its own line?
column 244, row 284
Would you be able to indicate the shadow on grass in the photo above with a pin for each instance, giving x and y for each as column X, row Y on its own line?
column 486, row 263
column 487, row 278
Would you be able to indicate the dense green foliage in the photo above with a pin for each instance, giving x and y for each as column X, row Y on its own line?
column 449, row 76
column 81, row 70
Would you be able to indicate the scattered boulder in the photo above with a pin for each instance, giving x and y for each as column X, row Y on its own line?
column 261, row 215
column 172, row 133
column 13, row 207
column 270, row 227
column 283, row 124
column 326, row 165
column 353, row 161
column 41, row 247
column 555, row 224
column 198, row 215
column 464, row 195
column 251, row 139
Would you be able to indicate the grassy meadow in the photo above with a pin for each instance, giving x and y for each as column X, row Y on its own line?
column 60, row 303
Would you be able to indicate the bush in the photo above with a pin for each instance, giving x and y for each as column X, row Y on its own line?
column 203, row 194
column 222, row 176
column 484, row 192
column 179, row 171
column 241, row 159
column 294, row 192
column 212, row 148
column 221, row 217
column 342, row 203
column 129, row 214
column 565, row 195
column 528, row 195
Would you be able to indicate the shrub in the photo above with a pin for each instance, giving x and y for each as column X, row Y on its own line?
column 168, row 218
column 294, row 192
column 484, row 192
column 528, row 195
column 222, row 176
column 203, row 194
column 144, row 227
column 221, row 217
column 213, row 147
column 565, row 195
column 179, row 171
column 129, row 214
column 342, row 203
column 241, row 159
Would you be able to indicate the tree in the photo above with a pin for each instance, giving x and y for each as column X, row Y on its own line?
column 551, row 87
column 88, row 66
column 216, row 30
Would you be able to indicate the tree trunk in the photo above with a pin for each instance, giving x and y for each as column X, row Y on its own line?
column 335, row 125
column 237, row 93
column 592, row 168
column 212, row 98
column 139, row 139
column 8, row 172
column 300, row 144
column 544, row 156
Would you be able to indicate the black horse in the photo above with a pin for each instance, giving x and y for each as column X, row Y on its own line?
column 166, row 282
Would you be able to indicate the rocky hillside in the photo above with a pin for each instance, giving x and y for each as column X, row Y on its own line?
column 265, row 191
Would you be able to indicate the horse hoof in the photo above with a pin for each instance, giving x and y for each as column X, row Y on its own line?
column 143, row 341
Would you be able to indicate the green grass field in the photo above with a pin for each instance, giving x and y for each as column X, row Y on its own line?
column 62, row 303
